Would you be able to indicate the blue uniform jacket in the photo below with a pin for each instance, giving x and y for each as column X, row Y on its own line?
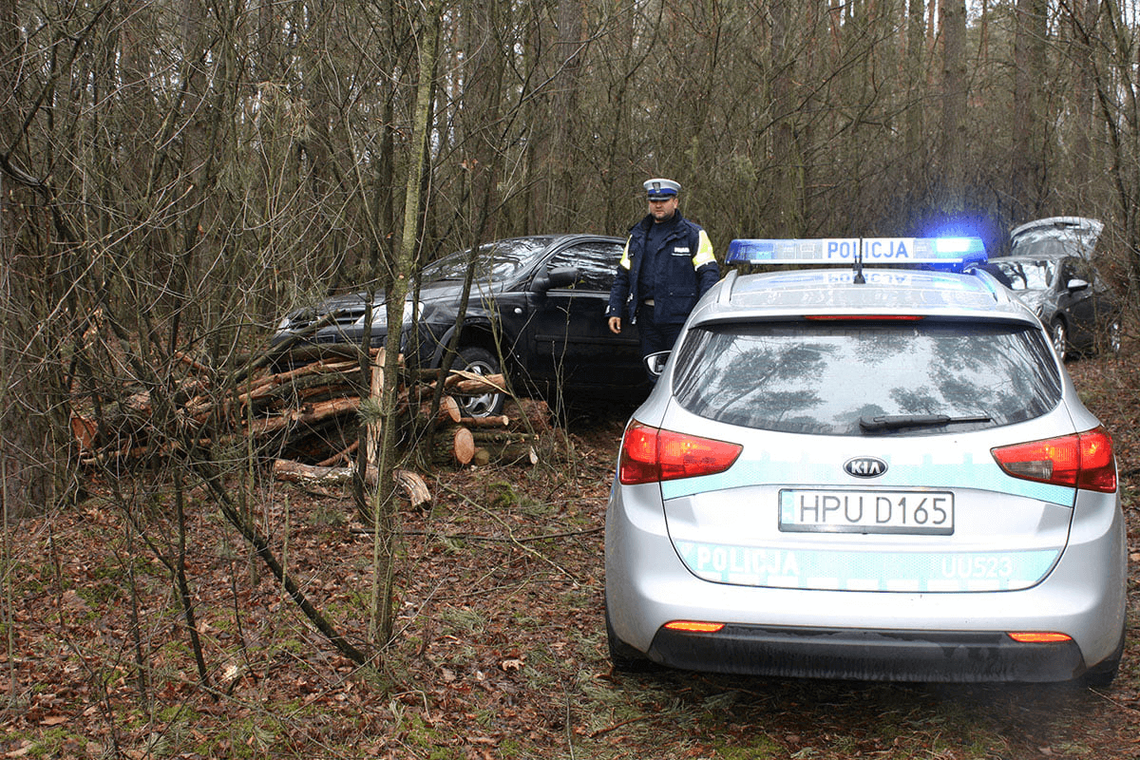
column 690, row 270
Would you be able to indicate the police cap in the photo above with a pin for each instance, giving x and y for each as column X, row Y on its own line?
column 661, row 188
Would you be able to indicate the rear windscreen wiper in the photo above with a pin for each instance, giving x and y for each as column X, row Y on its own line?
column 897, row 421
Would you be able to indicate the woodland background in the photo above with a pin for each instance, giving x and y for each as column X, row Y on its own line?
column 177, row 174
column 187, row 171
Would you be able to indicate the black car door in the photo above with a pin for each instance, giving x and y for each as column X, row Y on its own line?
column 571, row 341
column 1080, row 304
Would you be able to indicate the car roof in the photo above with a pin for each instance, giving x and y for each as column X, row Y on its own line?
column 562, row 237
column 829, row 292
column 545, row 240
column 1036, row 257
column 1059, row 223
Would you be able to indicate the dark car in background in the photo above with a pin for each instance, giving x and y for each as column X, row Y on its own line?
column 1051, row 268
column 536, row 312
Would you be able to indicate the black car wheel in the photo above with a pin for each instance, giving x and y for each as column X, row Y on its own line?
column 1114, row 336
column 1060, row 337
column 480, row 361
column 625, row 659
column 1101, row 675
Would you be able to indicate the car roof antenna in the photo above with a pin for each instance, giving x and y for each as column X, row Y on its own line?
column 859, row 279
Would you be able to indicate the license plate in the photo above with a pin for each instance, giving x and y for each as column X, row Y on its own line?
column 833, row 511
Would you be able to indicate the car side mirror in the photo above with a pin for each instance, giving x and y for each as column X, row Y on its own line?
column 1076, row 284
column 563, row 277
column 559, row 277
column 655, row 363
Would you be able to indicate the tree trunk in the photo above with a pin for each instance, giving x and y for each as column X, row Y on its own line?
column 954, row 86
column 915, row 87
column 385, row 520
column 788, row 190
column 1028, row 151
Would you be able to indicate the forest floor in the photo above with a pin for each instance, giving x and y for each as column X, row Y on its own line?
column 500, row 648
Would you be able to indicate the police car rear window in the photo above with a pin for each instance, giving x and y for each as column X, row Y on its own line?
column 825, row 377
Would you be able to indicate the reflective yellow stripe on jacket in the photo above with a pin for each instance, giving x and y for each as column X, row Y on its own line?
column 703, row 256
column 625, row 263
column 704, row 251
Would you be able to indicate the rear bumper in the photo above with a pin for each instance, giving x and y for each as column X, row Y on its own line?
column 867, row 635
column 872, row 655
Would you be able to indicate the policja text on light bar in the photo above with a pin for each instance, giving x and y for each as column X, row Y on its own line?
column 901, row 250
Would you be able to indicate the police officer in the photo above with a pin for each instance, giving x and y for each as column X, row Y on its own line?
column 667, row 265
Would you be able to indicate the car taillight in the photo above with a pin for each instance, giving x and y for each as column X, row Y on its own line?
column 638, row 462
column 694, row 626
column 649, row 454
column 1039, row 637
column 1082, row 460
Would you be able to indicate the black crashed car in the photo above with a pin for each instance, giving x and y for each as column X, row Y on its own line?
column 536, row 312
column 1051, row 268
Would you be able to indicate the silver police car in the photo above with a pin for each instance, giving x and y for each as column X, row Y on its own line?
column 865, row 472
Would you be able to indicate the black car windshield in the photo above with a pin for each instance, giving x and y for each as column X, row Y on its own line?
column 842, row 378
column 494, row 261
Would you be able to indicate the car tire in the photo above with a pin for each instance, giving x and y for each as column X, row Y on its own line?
column 1114, row 337
column 480, row 361
column 1101, row 675
column 625, row 659
column 1059, row 335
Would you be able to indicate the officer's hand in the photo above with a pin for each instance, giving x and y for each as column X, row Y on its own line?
column 615, row 325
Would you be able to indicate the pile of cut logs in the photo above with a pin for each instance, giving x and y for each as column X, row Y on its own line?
column 308, row 414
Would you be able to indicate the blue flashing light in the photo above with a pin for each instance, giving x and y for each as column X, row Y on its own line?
column 859, row 251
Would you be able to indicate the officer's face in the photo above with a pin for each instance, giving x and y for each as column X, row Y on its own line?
column 663, row 209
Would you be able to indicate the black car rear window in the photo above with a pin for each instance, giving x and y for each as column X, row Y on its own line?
column 824, row 377
column 1052, row 241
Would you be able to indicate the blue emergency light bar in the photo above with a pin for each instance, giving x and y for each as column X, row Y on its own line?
column 858, row 251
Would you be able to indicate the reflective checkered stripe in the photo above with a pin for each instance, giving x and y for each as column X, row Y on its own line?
column 867, row 571
column 803, row 563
